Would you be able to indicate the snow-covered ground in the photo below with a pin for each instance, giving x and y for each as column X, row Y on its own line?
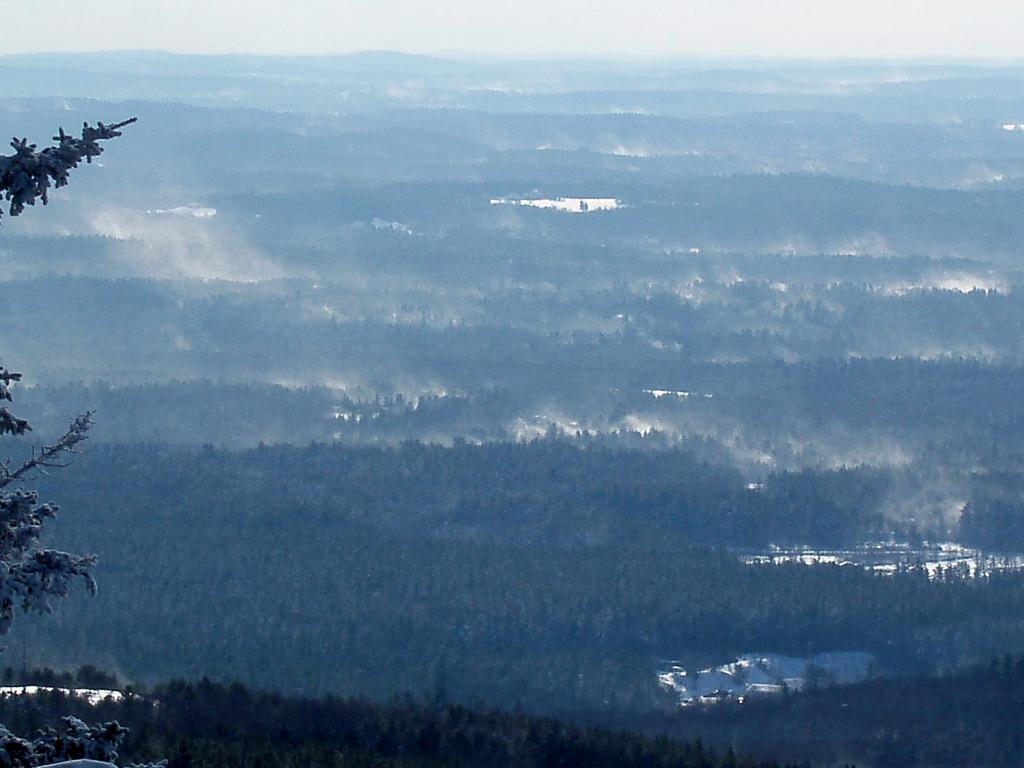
column 382, row 225
column 762, row 674
column 660, row 393
column 889, row 557
column 195, row 211
column 92, row 695
column 565, row 204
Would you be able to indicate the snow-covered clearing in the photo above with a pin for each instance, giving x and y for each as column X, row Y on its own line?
column 565, row 204
column 195, row 211
column 92, row 695
column 657, row 394
column 762, row 674
column 890, row 557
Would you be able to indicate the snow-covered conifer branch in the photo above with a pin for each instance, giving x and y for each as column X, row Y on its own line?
column 75, row 741
column 27, row 175
column 54, row 456
column 31, row 576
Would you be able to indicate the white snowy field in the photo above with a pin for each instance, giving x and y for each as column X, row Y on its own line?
column 756, row 674
column 564, row 204
column 889, row 557
column 93, row 696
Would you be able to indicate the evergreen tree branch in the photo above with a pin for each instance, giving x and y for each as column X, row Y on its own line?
column 27, row 175
column 54, row 456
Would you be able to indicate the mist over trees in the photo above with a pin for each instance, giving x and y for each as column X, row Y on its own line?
column 505, row 384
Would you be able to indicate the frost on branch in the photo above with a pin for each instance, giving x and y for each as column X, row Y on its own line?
column 27, row 175
column 30, row 576
column 9, row 423
column 75, row 741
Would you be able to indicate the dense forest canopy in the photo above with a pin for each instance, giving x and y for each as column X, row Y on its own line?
column 512, row 383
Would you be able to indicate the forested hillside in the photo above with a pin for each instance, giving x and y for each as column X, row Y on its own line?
column 501, row 387
column 969, row 718
column 540, row 575
column 203, row 724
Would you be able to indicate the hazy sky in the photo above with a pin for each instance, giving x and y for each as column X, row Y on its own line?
column 787, row 28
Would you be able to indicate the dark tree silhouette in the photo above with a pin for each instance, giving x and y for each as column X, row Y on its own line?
column 27, row 175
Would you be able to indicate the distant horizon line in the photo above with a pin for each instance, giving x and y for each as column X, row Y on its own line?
column 475, row 56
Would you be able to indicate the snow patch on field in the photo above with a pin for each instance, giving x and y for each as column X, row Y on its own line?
column 762, row 674
column 564, row 204
column 93, row 696
column 953, row 282
column 195, row 211
column 381, row 225
column 657, row 394
column 891, row 557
